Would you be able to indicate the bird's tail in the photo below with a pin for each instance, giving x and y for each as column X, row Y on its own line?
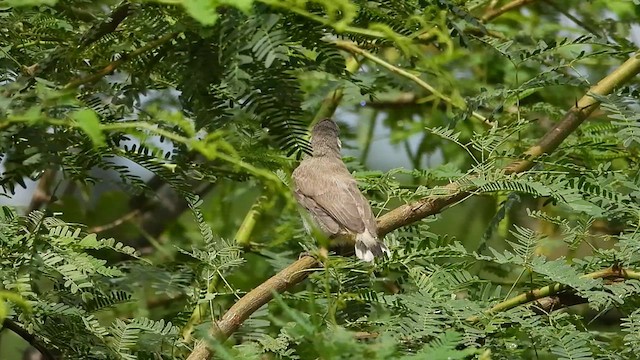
column 369, row 247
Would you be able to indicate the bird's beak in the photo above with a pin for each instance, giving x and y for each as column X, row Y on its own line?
column 339, row 144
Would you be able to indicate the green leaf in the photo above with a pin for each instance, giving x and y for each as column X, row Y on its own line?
column 202, row 10
column 89, row 122
column 16, row 3
column 205, row 10
column 89, row 241
column 243, row 5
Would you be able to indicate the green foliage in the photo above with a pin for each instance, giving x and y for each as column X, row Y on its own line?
column 127, row 118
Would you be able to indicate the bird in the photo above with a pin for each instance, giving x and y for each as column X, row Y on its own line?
column 328, row 192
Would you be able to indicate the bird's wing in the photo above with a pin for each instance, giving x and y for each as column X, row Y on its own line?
column 325, row 222
column 336, row 194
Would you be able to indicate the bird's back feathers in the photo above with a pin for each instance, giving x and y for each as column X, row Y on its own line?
column 325, row 188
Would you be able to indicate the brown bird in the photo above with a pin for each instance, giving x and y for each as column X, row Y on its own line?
column 326, row 189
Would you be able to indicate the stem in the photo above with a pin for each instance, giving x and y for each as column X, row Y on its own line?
column 494, row 13
column 30, row 338
column 404, row 215
column 552, row 289
column 248, row 224
column 251, row 302
column 331, row 102
column 354, row 49
column 115, row 64
column 369, row 139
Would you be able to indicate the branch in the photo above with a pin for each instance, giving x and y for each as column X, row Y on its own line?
column 42, row 194
column 30, row 338
column 409, row 213
column 251, row 302
column 92, row 35
column 298, row 271
column 550, row 290
column 98, row 31
column 354, row 49
column 331, row 101
column 494, row 13
column 115, row 64
column 422, row 208
column 157, row 213
column 115, row 223
column 577, row 114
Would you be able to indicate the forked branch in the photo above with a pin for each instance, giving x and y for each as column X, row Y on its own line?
column 410, row 213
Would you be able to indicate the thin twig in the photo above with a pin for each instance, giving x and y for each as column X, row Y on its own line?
column 115, row 64
column 251, row 302
column 331, row 101
column 549, row 290
column 42, row 194
column 92, row 35
column 115, row 223
column 30, row 338
column 354, row 49
column 98, row 31
column 573, row 18
column 410, row 213
column 494, row 13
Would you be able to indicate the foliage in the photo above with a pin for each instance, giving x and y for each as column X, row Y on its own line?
column 127, row 114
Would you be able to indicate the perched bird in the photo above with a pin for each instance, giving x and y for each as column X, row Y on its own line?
column 326, row 189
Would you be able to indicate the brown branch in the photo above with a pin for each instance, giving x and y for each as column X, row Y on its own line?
column 354, row 49
column 577, row 114
column 30, row 338
column 409, row 213
column 42, row 194
column 494, row 13
column 554, row 289
column 573, row 18
column 111, row 67
column 160, row 211
column 98, row 31
column 115, row 223
column 251, row 302
column 556, row 302
column 92, row 35
column 299, row 270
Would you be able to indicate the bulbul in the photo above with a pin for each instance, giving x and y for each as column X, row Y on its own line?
column 326, row 189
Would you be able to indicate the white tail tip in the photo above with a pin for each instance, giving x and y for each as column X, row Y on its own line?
column 368, row 248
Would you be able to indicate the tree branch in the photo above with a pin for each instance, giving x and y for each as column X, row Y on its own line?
column 293, row 274
column 92, row 35
column 577, row 114
column 251, row 302
column 554, row 289
column 354, row 49
column 98, row 31
column 331, row 101
column 42, row 194
column 115, row 64
column 115, row 223
column 494, row 13
column 409, row 213
column 30, row 338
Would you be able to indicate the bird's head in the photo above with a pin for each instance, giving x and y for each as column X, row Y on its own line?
column 325, row 138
